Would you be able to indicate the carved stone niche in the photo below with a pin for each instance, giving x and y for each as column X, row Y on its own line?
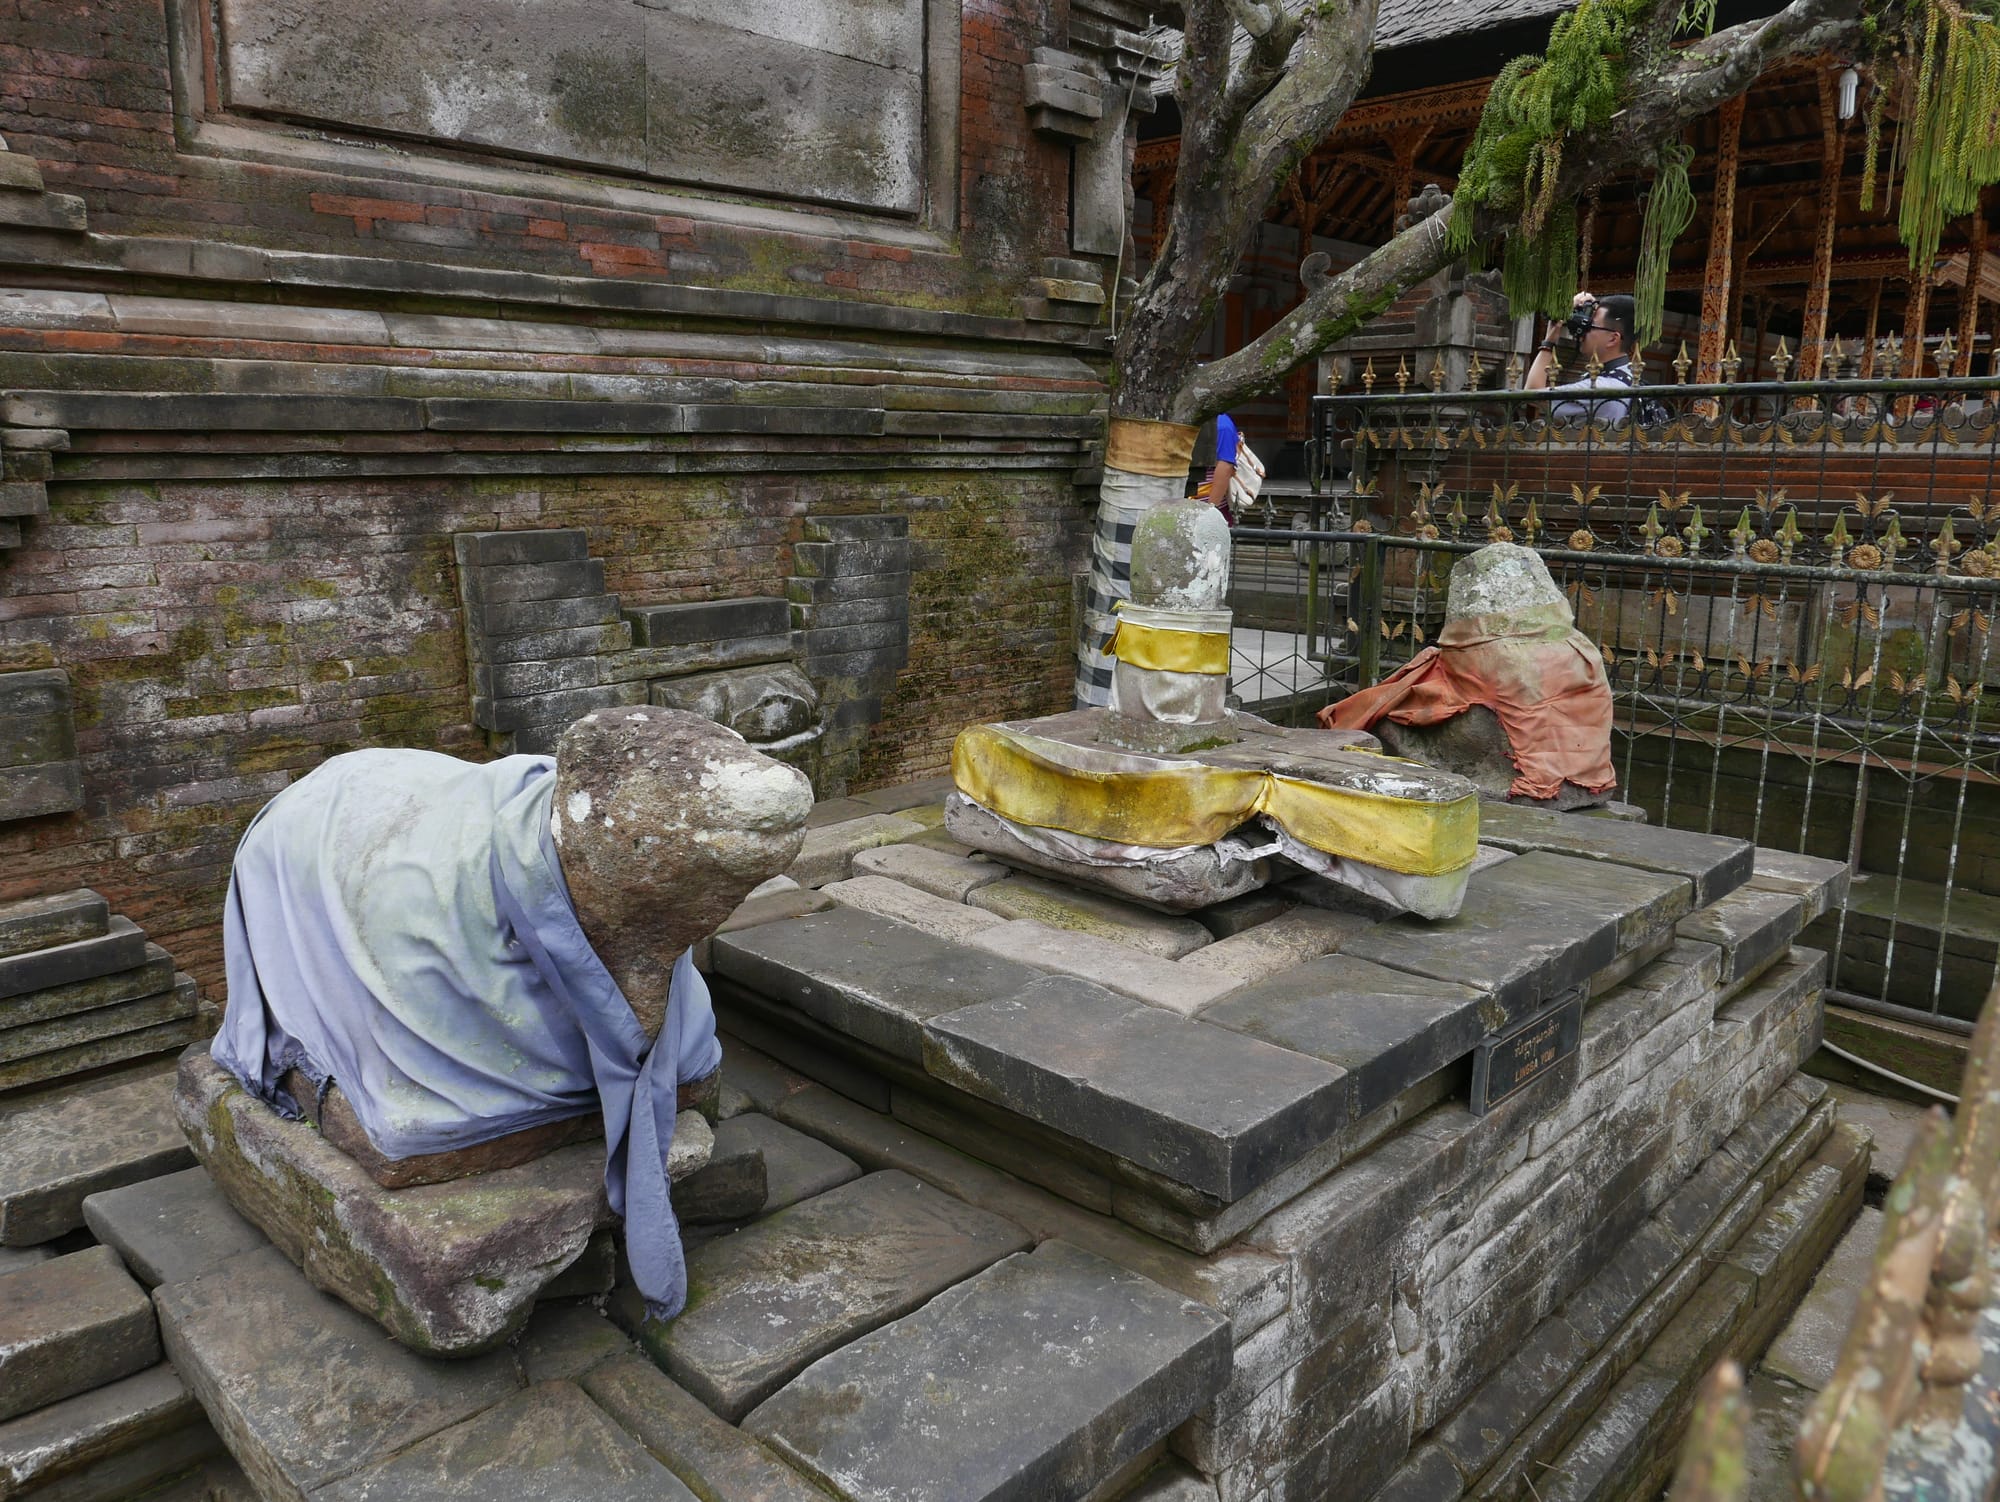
column 734, row 662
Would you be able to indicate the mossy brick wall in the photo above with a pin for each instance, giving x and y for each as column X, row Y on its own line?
column 224, row 638
column 85, row 87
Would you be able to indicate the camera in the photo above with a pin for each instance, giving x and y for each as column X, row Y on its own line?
column 1579, row 320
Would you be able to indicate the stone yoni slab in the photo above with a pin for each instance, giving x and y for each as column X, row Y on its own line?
column 304, row 1390
column 449, row 1269
column 59, row 1145
column 1206, row 1107
column 769, row 1300
column 869, row 977
column 1034, row 1381
column 1386, row 1028
column 1534, row 926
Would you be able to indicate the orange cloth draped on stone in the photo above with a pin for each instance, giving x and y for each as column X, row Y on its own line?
column 1544, row 679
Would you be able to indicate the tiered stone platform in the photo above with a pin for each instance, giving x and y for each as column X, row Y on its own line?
column 1065, row 1198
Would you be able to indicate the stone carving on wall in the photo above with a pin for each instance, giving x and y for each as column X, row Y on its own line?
column 823, row 101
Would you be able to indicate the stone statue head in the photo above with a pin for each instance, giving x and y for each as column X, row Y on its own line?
column 663, row 821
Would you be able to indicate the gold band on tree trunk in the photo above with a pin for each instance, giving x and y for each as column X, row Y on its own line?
column 1142, row 447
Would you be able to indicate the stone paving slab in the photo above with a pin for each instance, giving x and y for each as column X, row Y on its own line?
column 100, row 1053
column 717, row 1460
column 938, row 872
column 71, row 1435
column 1892, row 1123
column 729, row 1186
column 893, row 800
column 449, row 1268
column 548, row 1444
column 1065, row 907
column 871, row 978
column 1751, row 928
column 1387, row 1029
column 302, row 1389
column 796, row 1167
column 72, row 1029
column 780, row 1294
column 1716, row 864
column 1168, row 984
column 940, row 917
column 151, row 978
column 1035, row 1380
column 1271, row 948
column 170, row 1228
column 563, row 1341
column 59, row 1146
column 1806, row 1350
column 70, row 1324
column 1201, row 1105
column 1236, row 915
column 1534, row 926
column 120, row 947
column 57, row 918
column 829, row 851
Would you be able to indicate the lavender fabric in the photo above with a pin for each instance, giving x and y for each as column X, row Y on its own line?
column 397, row 921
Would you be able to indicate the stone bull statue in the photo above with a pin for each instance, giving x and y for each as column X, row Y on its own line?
column 454, row 968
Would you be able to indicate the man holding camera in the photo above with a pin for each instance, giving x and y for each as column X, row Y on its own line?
column 1601, row 327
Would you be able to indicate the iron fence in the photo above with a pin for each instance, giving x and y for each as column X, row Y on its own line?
column 1793, row 586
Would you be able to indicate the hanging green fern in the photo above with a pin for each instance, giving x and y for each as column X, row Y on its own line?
column 1669, row 211
column 1948, row 143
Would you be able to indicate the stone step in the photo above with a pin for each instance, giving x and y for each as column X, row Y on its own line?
column 171, row 1228
column 1806, row 1349
column 59, row 1146
column 156, row 975
column 57, row 1064
column 120, row 947
column 1751, row 927
column 1048, row 1373
column 303, row 1390
column 70, row 1324
column 176, row 1003
column 796, row 1167
column 780, row 1294
column 1716, row 864
column 937, row 872
column 59, row 918
column 1060, row 906
column 1167, row 984
column 112, row 1441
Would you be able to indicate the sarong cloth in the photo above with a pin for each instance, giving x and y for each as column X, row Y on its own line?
column 1543, row 679
column 397, row 921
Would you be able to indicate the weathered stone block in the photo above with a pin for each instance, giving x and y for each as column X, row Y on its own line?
column 121, row 947
column 1532, row 927
column 36, row 725
column 1822, row 883
column 70, row 1441
column 766, row 704
column 502, row 549
column 50, row 787
column 719, row 1461
column 1107, row 963
column 775, row 1297
column 447, row 1268
column 729, row 1186
column 1751, row 928
column 505, row 583
column 870, row 978
column 59, row 1146
column 1043, row 1404
column 1386, row 1029
column 70, row 1324
column 952, row 877
column 954, row 922
column 79, row 1029
column 171, row 1228
column 1715, row 864
column 707, row 621
column 796, row 1167
column 1200, row 1105
column 278, row 1417
column 829, row 850
column 59, row 918
column 101, row 1053
column 1273, row 947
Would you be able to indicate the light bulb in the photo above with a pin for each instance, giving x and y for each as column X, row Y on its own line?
column 1850, row 89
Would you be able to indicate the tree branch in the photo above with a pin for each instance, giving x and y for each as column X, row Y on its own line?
column 1684, row 87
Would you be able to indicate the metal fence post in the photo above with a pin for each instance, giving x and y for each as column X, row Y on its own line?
column 1368, row 619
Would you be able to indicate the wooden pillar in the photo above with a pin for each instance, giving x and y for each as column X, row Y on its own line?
column 1812, row 338
column 1404, row 146
column 1717, row 278
column 1915, row 316
column 1968, row 301
column 1756, row 360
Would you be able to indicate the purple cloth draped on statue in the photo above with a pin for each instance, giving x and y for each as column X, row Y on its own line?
column 397, row 921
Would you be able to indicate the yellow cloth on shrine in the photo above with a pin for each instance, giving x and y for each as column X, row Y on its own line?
column 1168, row 650
column 1167, row 803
